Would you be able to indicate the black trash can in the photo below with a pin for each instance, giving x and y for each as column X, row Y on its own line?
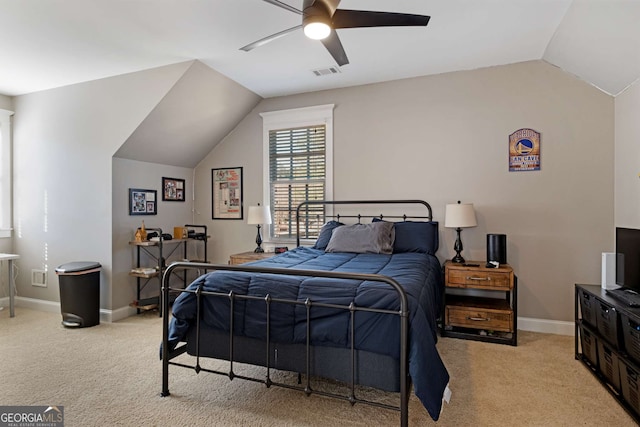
column 79, row 293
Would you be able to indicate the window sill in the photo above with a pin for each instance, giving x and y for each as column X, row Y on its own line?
column 288, row 243
column 5, row 234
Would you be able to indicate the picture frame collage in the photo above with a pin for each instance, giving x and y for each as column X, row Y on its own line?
column 145, row 201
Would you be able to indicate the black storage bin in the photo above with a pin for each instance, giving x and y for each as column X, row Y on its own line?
column 589, row 344
column 631, row 337
column 588, row 306
column 609, row 365
column 607, row 323
column 79, row 293
column 629, row 384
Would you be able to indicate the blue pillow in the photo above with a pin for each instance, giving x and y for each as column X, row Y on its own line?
column 415, row 236
column 325, row 234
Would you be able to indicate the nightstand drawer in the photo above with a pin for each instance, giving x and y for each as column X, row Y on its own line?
column 479, row 279
column 479, row 318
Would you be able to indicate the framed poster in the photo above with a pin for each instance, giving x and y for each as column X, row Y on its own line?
column 226, row 197
column 142, row 202
column 172, row 189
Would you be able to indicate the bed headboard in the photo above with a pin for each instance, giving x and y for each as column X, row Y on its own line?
column 337, row 216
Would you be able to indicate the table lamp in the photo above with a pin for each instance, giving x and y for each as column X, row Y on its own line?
column 459, row 216
column 259, row 215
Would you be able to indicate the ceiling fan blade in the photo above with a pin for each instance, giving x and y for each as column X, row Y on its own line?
column 343, row 18
column 284, row 6
column 334, row 46
column 270, row 38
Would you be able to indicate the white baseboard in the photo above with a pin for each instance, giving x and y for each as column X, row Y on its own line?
column 121, row 313
column 38, row 304
column 106, row 316
column 545, row 326
column 524, row 323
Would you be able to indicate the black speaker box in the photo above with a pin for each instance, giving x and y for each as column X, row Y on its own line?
column 497, row 248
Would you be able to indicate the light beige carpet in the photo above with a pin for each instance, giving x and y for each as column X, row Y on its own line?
column 110, row 375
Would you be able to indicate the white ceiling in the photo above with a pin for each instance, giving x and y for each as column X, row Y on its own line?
column 51, row 43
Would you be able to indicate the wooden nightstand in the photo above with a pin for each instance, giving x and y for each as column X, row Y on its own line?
column 249, row 257
column 491, row 317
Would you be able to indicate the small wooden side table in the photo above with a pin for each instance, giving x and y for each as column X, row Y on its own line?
column 492, row 318
column 244, row 257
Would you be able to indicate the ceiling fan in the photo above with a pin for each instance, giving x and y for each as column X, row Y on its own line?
column 321, row 19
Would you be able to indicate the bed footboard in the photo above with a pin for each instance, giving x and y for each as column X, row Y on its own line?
column 403, row 313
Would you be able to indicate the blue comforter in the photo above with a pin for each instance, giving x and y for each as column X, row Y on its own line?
column 419, row 274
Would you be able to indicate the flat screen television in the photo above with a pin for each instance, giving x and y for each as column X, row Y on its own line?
column 627, row 266
column 628, row 258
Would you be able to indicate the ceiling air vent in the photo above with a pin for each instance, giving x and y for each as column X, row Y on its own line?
column 326, row 71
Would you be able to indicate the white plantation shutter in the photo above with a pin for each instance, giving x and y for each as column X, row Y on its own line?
column 298, row 166
column 297, row 172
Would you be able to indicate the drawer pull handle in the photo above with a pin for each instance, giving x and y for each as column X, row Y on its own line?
column 478, row 319
column 478, row 278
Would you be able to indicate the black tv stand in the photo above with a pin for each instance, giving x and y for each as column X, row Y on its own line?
column 627, row 296
column 607, row 343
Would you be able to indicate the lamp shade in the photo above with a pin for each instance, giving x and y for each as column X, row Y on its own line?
column 259, row 215
column 460, row 215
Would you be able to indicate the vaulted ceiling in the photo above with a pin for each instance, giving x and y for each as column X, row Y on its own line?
column 51, row 43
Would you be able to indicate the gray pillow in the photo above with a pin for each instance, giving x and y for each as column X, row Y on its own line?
column 376, row 237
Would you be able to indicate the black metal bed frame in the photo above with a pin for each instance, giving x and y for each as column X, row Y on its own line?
column 405, row 384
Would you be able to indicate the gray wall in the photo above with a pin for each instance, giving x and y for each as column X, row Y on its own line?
column 64, row 140
column 72, row 201
column 627, row 158
column 134, row 174
column 6, row 102
column 444, row 138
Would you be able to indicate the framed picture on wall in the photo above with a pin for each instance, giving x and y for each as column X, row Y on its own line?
column 226, row 197
column 142, row 202
column 172, row 189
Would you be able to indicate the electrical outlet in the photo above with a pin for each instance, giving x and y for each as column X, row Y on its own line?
column 39, row 278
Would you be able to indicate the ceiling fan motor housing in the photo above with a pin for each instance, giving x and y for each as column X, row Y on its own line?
column 316, row 12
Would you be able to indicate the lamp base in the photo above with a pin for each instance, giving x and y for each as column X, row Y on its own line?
column 259, row 249
column 458, row 248
column 458, row 259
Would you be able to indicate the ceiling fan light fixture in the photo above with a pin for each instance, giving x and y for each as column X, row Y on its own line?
column 317, row 30
column 321, row 19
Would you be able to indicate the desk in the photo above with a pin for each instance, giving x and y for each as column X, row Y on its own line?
column 12, row 282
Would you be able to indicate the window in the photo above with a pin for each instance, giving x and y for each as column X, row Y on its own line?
column 298, row 166
column 5, row 173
